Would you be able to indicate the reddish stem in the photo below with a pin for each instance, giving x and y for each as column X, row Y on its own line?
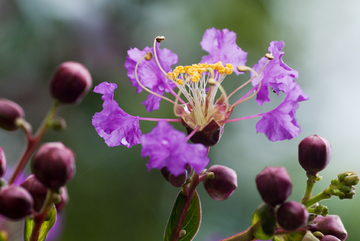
column 33, row 141
column 32, row 144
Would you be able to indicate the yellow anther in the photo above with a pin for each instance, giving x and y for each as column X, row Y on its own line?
column 179, row 81
column 230, row 66
column 269, row 56
column 179, row 68
column 229, row 71
column 194, row 79
column 160, row 38
column 148, row 56
column 242, row 68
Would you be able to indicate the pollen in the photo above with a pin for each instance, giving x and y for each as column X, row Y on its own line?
column 195, row 71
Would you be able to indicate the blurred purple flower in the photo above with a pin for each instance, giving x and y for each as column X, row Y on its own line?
column 112, row 123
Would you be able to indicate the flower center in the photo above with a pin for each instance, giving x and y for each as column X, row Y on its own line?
column 199, row 84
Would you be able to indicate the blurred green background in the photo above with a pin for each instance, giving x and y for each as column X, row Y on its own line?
column 113, row 196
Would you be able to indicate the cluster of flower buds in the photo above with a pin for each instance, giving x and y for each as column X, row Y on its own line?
column 53, row 164
column 275, row 186
column 344, row 186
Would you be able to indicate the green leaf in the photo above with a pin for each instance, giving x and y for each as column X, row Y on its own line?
column 192, row 219
column 289, row 237
column 265, row 216
column 3, row 236
column 45, row 227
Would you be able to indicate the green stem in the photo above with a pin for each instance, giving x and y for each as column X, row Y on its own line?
column 40, row 218
column 319, row 197
column 309, row 188
column 33, row 142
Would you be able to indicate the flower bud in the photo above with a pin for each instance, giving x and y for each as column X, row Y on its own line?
column 329, row 238
column 209, row 136
column 9, row 113
column 329, row 225
column 53, row 165
column 2, row 162
column 70, row 82
column 292, row 215
column 37, row 190
column 15, row 202
column 64, row 200
column 223, row 184
column 274, row 185
column 314, row 153
column 176, row 181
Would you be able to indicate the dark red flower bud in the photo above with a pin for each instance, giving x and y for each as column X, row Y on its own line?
column 329, row 225
column 329, row 238
column 314, row 153
column 274, row 185
column 9, row 113
column 37, row 190
column 2, row 162
column 53, row 165
column 64, row 200
column 209, row 136
column 176, row 181
column 15, row 202
column 223, row 184
column 292, row 215
column 70, row 82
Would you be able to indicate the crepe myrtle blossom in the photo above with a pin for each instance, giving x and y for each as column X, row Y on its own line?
column 196, row 103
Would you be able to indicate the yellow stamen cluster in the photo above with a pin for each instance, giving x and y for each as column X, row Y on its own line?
column 196, row 70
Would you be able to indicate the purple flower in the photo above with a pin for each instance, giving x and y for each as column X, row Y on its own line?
column 221, row 46
column 112, row 123
column 276, row 74
column 168, row 147
column 280, row 123
column 150, row 74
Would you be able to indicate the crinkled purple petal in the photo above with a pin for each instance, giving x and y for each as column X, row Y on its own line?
column 149, row 73
column 276, row 74
column 221, row 46
column 168, row 147
column 153, row 102
column 112, row 123
column 280, row 123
